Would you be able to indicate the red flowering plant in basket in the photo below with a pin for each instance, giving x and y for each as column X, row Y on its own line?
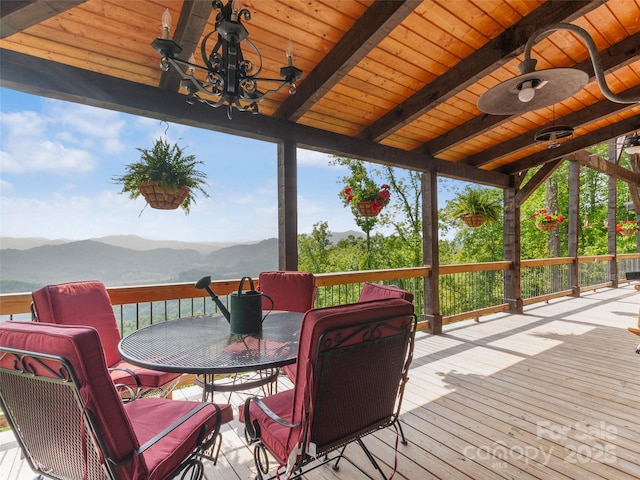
column 545, row 220
column 627, row 227
column 367, row 191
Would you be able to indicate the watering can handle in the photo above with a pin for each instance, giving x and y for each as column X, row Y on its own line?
column 242, row 283
column 270, row 310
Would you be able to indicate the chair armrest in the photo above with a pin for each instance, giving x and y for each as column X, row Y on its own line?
column 131, row 374
column 177, row 423
column 133, row 392
column 251, row 430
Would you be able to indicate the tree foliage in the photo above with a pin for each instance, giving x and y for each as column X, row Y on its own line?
column 459, row 244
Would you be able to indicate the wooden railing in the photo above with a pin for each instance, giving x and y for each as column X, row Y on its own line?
column 466, row 290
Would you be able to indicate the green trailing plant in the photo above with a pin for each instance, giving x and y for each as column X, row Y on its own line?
column 169, row 166
column 474, row 201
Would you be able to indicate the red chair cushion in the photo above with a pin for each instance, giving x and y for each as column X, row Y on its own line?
column 148, row 378
column 81, row 347
column 293, row 404
column 290, row 291
column 88, row 303
column 374, row 291
column 123, row 427
column 273, row 434
column 81, row 303
column 151, row 415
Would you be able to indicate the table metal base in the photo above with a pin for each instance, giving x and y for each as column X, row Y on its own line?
column 237, row 382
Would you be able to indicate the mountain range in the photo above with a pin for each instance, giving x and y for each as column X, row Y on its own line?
column 30, row 263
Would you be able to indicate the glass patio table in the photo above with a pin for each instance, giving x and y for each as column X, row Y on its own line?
column 203, row 345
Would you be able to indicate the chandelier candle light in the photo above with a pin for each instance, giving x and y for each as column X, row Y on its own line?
column 230, row 79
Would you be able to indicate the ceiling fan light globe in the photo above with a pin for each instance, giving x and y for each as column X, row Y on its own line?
column 526, row 94
column 632, row 144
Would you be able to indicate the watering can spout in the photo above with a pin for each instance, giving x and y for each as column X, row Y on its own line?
column 203, row 284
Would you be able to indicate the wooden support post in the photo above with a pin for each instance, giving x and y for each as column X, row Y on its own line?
column 635, row 194
column 430, row 252
column 512, row 277
column 612, row 240
column 574, row 225
column 287, row 206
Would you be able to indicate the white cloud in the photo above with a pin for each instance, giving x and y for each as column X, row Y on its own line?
column 4, row 185
column 48, row 157
column 309, row 158
column 28, row 147
column 89, row 126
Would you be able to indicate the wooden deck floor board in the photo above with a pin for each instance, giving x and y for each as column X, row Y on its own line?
column 548, row 395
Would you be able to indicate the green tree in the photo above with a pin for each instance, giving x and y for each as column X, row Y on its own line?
column 403, row 214
column 315, row 249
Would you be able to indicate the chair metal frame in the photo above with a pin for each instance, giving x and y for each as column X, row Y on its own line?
column 73, row 447
column 333, row 344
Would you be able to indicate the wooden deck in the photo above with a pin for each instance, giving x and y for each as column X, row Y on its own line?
column 551, row 394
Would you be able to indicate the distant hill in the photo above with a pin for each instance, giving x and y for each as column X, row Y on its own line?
column 30, row 242
column 337, row 236
column 29, row 263
column 89, row 259
column 127, row 241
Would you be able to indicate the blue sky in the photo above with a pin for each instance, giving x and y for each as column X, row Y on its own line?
column 57, row 160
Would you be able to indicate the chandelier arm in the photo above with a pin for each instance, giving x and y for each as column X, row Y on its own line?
column 217, row 104
column 176, row 63
column 203, row 49
column 259, row 69
column 274, row 90
column 593, row 54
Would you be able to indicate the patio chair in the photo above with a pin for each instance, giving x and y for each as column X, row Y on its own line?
column 88, row 303
column 70, row 423
column 374, row 291
column 352, row 368
column 291, row 291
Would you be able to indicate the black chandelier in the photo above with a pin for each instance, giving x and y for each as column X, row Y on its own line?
column 230, row 79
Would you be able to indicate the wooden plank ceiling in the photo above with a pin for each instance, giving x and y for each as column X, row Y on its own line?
column 394, row 82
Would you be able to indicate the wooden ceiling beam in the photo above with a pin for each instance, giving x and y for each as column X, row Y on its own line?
column 537, row 180
column 189, row 29
column 50, row 79
column 16, row 16
column 602, row 165
column 598, row 136
column 500, row 50
column 616, row 56
column 365, row 35
column 599, row 110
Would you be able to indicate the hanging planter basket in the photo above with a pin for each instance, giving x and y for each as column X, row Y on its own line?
column 547, row 227
column 161, row 197
column 627, row 233
column 366, row 209
column 474, row 220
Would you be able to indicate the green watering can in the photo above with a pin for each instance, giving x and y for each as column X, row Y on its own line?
column 246, row 307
